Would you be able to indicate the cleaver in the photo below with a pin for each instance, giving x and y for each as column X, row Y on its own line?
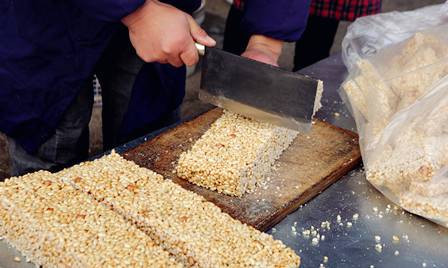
column 257, row 90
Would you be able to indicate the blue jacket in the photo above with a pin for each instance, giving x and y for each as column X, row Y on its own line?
column 48, row 48
column 281, row 19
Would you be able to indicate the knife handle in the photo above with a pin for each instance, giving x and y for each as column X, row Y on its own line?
column 200, row 48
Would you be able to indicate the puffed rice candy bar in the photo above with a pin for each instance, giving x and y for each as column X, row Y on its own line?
column 193, row 230
column 55, row 225
column 234, row 155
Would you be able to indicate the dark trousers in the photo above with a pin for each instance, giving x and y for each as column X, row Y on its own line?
column 69, row 144
column 314, row 45
column 116, row 71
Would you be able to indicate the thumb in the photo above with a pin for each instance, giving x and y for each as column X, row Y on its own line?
column 198, row 34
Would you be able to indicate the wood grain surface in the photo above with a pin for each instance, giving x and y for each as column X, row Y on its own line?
column 312, row 163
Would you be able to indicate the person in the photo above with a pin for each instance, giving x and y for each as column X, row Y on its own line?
column 323, row 22
column 49, row 51
column 258, row 29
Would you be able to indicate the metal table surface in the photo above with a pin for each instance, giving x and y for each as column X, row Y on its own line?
column 421, row 243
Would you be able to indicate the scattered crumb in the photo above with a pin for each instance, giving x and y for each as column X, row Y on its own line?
column 325, row 259
column 337, row 114
column 396, row 253
column 338, row 218
column 17, row 259
column 355, row 216
column 322, row 237
column 325, row 225
column 315, row 241
column 372, row 266
column 293, row 231
column 306, row 233
column 424, row 264
column 375, row 209
column 406, row 237
column 379, row 248
column 274, row 230
column 321, row 266
column 395, row 239
column 349, row 225
column 377, row 238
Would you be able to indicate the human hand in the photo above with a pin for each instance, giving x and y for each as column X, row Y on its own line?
column 264, row 49
column 162, row 33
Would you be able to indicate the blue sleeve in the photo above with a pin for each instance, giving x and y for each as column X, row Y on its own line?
column 108, row 10
column 282, row 19
column 188, row 6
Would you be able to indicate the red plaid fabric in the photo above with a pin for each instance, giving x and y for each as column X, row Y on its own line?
column 347, row 10
column 238, row 3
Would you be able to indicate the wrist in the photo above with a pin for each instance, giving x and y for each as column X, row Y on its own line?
column 133, row 17
column 262, row 42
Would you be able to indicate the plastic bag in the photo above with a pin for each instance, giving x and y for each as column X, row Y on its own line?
column 399, row 99
column 369, row 34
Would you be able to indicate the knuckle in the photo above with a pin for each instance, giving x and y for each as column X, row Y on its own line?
column 201, row 32
column 143, row 56
column 176, row 64
column 176, row 45
column 167, row 48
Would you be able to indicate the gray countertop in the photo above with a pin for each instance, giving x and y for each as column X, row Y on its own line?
column 349, row 242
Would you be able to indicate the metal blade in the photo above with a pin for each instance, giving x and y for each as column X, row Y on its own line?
column 259, row 91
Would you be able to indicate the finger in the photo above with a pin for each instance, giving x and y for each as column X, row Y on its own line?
column 175, row 60
column 145, row 57
column 198, row 34
column 190, row 56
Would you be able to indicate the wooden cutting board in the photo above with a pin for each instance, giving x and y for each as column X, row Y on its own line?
column 312, row 163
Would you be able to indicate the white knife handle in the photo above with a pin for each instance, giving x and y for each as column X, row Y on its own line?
column 200, row 48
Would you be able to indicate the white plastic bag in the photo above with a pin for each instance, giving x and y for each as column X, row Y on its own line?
column 399, row 98
column 369, row 34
